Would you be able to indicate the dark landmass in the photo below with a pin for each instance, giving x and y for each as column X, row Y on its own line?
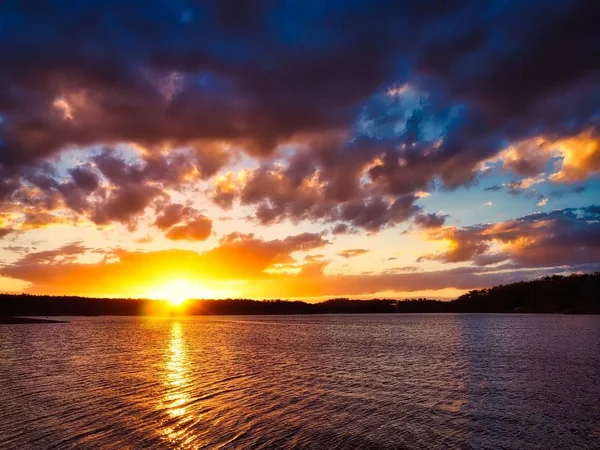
column 573, row 294
column 10, row 320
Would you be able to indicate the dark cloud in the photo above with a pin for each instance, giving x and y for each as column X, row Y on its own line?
column 264, row 71
column 430, row 220
column 125, row 204
column 85, row 178
column 224, row 191
column 178, row 74
column 173, row 214
column 108, row 189
column 169, row 169
column 383, row 99
column 493, row 188
column 561, row 193
column 322, row 182
column 340, row 228
column 196, row 230
column 304, row 242
column 62, row 255
column 376, row 213
column 5, row 232
column 554, row 42
column 567, row 237
column 466, row 244
column 39, row 219
column 180, row 222
column 523, row 186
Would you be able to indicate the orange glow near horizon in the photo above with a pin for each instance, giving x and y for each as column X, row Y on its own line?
column 176, row 292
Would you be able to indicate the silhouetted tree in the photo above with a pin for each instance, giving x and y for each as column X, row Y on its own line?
column 573, row 294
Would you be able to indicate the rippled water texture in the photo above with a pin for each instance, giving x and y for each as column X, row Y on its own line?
column 393, row 381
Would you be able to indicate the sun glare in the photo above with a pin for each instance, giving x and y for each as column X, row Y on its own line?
column 178, row 291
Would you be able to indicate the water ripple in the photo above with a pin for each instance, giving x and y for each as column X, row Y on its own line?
column 332, row 382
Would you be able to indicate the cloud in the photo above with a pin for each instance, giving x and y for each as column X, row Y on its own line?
column 351, row 253
column 184, row 89
column 525, row 158
column 578, row 157
column 313, row 258
column 180, row 222
column 85, row 178
column 430, row 220
column 463, row 245
column 340, row 228
column 363, row 115
column 567, row 237
column 561, row 193
column 224, row 190
column 518, row 187
column 493, row 188
column 167, row 169
column 173, row 214
column 144, row 240
column 62, row 255
column 323, row 179
column 237, row 257
column 125, row 204
column 312, row 186
column 196, row 230
column 107, row 188
column 239, row 260
column 347, row 116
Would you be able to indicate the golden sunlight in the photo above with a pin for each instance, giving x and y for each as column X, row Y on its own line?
column 177, row 292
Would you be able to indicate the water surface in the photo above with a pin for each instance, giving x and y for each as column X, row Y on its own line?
column 365, row 381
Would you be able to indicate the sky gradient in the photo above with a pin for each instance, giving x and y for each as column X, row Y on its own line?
column 297, row 149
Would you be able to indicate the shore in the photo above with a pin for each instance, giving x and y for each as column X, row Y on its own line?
column 12, row 320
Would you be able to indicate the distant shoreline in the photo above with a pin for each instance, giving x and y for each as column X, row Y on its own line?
column 15, row 320
column 32, row 319
column 573, row 294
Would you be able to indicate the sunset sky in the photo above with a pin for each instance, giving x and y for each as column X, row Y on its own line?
column 296, row 149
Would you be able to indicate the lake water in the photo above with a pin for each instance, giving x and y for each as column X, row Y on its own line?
column 390, row 381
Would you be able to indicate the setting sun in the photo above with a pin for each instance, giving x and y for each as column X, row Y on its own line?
column 178, row 291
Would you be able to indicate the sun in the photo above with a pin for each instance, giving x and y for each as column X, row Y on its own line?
column 178, row 291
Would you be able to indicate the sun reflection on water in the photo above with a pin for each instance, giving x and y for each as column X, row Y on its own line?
column 177, row 383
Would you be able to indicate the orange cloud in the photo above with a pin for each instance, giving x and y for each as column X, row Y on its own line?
column 561, row 237
column 197, row 230
column 240, row 266
column 353, row 252
column 580, row 157
column 238, row 257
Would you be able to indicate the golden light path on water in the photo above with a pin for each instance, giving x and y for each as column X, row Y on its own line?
column 177, row 383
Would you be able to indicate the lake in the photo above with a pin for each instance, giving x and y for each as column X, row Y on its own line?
column 348, row 382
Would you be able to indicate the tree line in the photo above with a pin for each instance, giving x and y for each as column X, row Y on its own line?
column 572, row 294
